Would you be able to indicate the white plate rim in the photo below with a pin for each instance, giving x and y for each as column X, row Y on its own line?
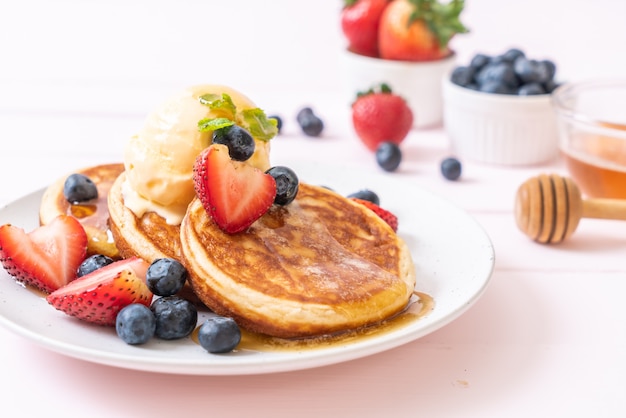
column 443, row 251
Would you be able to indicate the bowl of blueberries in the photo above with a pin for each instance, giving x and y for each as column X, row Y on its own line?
column 497, row 109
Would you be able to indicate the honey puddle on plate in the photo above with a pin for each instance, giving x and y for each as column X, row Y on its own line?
column 419, row 305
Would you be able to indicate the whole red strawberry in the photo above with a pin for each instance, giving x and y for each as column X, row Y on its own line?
column 419, row 30
column 381, row 115
column 359, row 23
column 384, row 214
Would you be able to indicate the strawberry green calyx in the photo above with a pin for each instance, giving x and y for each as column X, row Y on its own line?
column 381, row 88
column 442, row 19
column 348, row 3
column 255, row 121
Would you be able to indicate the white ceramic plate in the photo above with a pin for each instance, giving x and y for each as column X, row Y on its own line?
column 454, row 259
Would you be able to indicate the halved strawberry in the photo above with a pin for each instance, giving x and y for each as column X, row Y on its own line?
column 98, row 296
column 47, row 257
column 234, row 193
column 384, row 214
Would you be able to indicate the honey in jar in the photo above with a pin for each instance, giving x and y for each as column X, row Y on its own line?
column 597, row 163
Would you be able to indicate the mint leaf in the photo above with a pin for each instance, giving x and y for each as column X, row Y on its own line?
column 211, row 124
column 255, row 121
column 258, row 124
column 223, row 104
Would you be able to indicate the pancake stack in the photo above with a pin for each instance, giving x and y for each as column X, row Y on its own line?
column 320, row 265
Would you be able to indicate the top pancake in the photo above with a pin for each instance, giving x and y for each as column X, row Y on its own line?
column 93, row 214
column 322, row 264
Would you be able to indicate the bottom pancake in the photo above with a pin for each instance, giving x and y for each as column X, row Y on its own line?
column 93, row 214
column 321, row 265
column 148, row 237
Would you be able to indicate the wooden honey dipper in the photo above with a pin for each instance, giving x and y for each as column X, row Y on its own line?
column 548, row 208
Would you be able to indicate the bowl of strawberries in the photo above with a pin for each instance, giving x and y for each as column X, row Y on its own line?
column 404, row 44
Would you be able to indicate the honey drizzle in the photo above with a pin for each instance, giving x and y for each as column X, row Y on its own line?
column 95, row 212
column 419, row 305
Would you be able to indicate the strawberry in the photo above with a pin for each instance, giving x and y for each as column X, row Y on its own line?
column 97, row 297
column 234, row 193
column 47, row 257
column 359, row 23
column 381, row 115
column 419, row 30
column 384, row 214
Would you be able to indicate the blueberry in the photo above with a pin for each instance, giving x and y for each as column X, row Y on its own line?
column 530, row 89
column 496, row 87
column 479, row 61
column 512, row 54
column 304, row 113
column 550, row 85
column 313, row 126
column 287, row 184
column 366, row 194
column 279, row 121
column 547, row 70
column 166, row 276
column 502, row 73
column 93, row 263
column 388, row 156
column 219, row 335
column 135, row 324
column 239, row 141
column 79, row 188
column 309, row 122
column 175, row 317
column 496, row 59
column 463, row 76
column 531, row 71
column 451, row 168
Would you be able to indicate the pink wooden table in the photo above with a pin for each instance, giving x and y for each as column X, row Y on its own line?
column 547, row 338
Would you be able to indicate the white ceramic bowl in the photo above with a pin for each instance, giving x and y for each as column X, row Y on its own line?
column 418, row 82
column 498, row 128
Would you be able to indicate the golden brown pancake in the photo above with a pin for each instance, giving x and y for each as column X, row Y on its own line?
column 321, row 265
column 149, row 236
column 93, row 214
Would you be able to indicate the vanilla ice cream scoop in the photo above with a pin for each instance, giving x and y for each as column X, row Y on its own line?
column 159, row 159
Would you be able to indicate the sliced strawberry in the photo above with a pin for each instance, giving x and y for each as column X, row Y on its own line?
column 234, row 193
column 47, row 257
column 384, row 214
column 98, row 296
